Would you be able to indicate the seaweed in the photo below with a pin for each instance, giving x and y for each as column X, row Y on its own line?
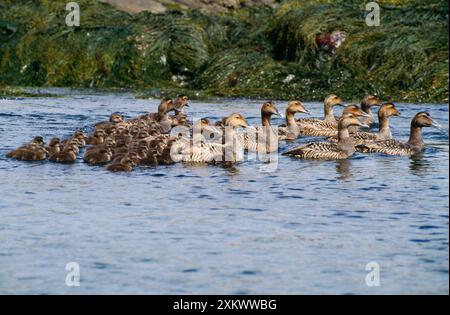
column 261, row 51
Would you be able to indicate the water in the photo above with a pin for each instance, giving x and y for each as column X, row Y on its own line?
column 310, row 227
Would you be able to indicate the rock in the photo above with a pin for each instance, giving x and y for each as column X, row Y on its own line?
column 161, row 6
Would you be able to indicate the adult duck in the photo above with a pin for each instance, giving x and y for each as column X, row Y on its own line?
column 292, row 130
column 414, row 145
column 343, row 149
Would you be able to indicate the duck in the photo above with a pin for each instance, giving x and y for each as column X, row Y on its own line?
column 367, row 103
column 225, row 149
column 114, row 119
column 97, row 157
column 124, row 164
column 413, row 146
column 330, row 102
column 329, row 129
column 98, row 137
column 292, row 130
column 359, row 137
column 67, row 155
column 32, row 151
column 341, row 150
column 54, row 146
column 265, row 139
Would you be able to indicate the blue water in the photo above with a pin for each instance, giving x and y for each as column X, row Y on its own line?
column 309, row 227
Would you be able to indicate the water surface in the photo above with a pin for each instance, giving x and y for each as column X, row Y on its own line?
column 309, row 227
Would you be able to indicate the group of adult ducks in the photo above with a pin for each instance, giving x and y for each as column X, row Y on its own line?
column 168, row 137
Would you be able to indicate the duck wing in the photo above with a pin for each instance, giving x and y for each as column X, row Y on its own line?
column 390, row 147
column 318, row 151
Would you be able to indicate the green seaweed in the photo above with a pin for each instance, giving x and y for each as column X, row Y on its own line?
column 261, row 52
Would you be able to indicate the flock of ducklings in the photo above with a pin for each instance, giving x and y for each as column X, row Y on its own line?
column 150, row 139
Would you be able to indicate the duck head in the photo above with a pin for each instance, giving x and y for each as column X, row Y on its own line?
column 354, row 110
column 180, row 102
column 236, row 120
column 116, row 118
column 349, row 120
column 370, row 101
column 54, row 142
column 296, row 107
column 332, row 101
column 38, row 141
column 269, row 108
column 166, row 106
column 423, row 119
column 388, row 110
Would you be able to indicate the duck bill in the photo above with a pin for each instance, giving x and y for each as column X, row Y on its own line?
column 305, row 111
column 364, row 126
column 439, row 127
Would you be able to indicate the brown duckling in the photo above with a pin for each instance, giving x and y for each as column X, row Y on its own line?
column 98, row 137
column 32, row 151
column 123, row 165
column 67, row 155
column 367, row 103
column 98, row 157
column 414, row 145
column 343, row 149
column 54, row 147
column 114, row 118
column 292, row 130
column 386, row 110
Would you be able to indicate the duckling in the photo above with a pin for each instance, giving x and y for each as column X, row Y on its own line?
column 98, row 137
column 330, row 102
column 327, row 150
column 386, row 110
column 263, row 140
column 54, row 147
column 81, row 137
column 98, row 157
column 123, row 165
column 32, row 151
column 414, row 145
column 67, row 155
column 291, row 130
column 114, row 118
column 367, row 103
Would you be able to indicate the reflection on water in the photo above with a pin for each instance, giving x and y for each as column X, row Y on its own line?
column 343, row 168
column 307, row 227
column 418, row 164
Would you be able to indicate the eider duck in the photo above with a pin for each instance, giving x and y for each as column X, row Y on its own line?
column 292, row 130
column 330, row 129
column 329, row 103
column 414, row 145
column 367, row 103
column 343, row 149
column 359, row 137
column 262, row 139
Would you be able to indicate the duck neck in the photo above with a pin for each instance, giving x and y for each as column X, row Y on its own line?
column 345, row 143
column 329, row 114
column 290, row 119
column 384, row 125
column 265, row 119
column 415, row 138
